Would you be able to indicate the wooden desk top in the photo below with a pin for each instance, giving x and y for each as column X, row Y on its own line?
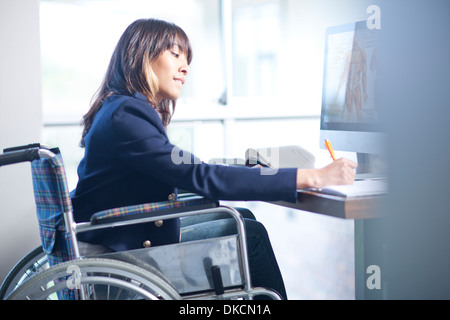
column 336, row 206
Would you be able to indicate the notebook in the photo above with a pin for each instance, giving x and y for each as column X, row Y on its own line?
column 361, row 188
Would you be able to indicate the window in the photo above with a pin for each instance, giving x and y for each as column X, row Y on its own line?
column 79, row 36
column 256, row 34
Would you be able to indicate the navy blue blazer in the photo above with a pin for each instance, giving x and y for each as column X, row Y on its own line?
column 129, row 160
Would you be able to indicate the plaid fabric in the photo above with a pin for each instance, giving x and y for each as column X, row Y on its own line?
column 52, row 200
column 102, row 216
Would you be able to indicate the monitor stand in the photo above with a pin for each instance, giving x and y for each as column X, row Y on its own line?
column 371, row 166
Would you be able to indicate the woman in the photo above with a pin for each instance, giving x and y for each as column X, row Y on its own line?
column 129, row 158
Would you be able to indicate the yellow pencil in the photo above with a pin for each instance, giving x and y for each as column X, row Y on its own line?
column 330, row 149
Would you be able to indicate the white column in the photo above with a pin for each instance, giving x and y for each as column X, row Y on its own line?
column 20, row 123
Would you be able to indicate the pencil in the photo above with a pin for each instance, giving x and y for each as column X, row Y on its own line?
column 330, row 149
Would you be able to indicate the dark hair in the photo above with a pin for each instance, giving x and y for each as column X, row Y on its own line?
column 129, row 69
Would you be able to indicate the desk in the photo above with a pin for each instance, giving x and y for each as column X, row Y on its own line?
column 366, row 213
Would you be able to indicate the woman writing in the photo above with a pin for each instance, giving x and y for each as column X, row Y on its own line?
column 129, row 159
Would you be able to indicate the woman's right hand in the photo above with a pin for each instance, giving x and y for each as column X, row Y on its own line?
column 339, row 172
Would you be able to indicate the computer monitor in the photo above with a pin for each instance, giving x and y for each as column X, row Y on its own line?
column 350, row 115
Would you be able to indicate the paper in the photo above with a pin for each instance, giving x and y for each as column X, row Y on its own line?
column 361, row 188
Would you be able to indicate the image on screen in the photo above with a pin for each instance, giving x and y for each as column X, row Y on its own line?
column 350, row 79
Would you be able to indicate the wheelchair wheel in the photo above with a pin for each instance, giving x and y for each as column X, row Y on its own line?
column 96, row 279
column 35, row 261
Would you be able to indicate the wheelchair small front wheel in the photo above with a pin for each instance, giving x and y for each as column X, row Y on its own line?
column 95, row 279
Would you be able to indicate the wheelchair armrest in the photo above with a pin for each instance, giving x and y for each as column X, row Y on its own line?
column 187, row 203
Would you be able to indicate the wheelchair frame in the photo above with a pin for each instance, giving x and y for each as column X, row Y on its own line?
column 152, row 279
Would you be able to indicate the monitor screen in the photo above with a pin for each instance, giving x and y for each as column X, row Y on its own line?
column 350, row 110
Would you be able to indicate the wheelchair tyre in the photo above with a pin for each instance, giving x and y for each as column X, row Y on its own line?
column 34, row 262
column 100, row 279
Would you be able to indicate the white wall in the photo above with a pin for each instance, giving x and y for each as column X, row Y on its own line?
column 20, row 123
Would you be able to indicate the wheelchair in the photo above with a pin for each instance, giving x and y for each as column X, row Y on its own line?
column 210, row 269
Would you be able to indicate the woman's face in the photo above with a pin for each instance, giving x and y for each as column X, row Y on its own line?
column 170, row 68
